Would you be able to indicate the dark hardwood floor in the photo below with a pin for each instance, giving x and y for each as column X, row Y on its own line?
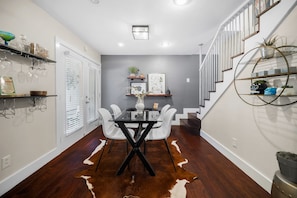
column 218, row 177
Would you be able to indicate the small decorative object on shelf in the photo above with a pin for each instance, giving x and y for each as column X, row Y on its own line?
column 268, row 47
column 133, row 70
column 155, row 106
column 38, row 93
column 140, row 102
column 6, row 36
column 168, row 92
column 258, row 87
column 38, row 50
column 289, row 70
column 25, row 54
column 286, row 91
column 6, row 86
column 274, row 71
column 140, row 94
column 139, row 106
column 270, row 91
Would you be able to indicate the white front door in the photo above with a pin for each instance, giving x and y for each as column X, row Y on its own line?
column 92, row 95
column 78, row 93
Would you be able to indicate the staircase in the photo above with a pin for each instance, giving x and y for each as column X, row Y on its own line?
column 235, row 36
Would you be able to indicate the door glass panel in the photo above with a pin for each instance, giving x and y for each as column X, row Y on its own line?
column 74, row 106
column 91, row 105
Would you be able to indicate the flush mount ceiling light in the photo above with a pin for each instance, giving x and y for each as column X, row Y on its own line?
column 180, row 2
column 140, row 32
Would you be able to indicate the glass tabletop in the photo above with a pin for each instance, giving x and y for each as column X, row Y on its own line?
column 134, row 117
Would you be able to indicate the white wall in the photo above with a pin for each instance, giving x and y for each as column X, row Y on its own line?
column 259, row 131
column 30, row 138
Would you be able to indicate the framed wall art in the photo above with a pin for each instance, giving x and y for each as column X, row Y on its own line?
column 156, row 83
column 6, row 86
column 137, row 88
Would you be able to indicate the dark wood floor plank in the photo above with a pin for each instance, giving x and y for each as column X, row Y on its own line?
column 218, row 177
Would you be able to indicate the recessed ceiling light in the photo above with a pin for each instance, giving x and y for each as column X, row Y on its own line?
column 180, row 2
column 121, row 44
column 165, row 44
column 95, row 1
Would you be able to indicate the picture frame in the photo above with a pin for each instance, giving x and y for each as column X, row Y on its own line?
column 6, row 86
column 138, row 87
column 156, row 83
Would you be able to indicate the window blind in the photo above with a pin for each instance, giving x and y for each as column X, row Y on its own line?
column 74, row 85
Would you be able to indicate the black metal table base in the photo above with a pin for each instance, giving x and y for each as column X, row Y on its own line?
column 136, row 147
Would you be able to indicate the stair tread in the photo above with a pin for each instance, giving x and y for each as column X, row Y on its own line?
column 190, row 123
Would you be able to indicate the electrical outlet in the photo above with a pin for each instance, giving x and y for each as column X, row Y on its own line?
column 6, row 161
column 234, row 143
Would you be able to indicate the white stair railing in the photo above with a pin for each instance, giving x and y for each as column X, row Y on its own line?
column 229, row 43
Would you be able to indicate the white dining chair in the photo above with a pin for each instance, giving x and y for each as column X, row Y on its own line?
column 161, row 116
column 110, row 131
column 117, row 111
column 163, row 132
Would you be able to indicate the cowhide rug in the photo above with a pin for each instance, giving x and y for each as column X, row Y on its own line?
column 135, row 181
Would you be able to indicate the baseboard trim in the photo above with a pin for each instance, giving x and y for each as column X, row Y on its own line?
column 14, row 179
column 248, row 169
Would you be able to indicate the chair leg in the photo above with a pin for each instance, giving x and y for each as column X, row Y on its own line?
column 144, row 151
column 127, row 151
column 168, row 149
column 101, row 156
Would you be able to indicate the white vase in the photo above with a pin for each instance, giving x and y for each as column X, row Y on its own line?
column 287, row 91
column 139, row 106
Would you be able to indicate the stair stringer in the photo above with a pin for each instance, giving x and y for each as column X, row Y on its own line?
column 268, row 26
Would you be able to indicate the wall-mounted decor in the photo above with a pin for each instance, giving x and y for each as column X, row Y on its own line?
column 156, row 83
column 137, row 88
column 6, row 86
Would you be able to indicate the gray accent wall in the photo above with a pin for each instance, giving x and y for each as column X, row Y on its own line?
column 176, row 67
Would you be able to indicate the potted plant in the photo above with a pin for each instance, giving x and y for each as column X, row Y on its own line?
column 258, row 87
column 268, row 47
column 133, row 70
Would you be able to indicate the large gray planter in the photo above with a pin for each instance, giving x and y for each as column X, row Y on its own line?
column 288, row 165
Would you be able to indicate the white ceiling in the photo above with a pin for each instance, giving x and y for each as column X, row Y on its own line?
column 106, row 24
